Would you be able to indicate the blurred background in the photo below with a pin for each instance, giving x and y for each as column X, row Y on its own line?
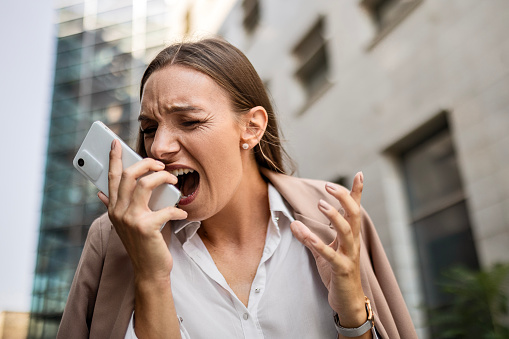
column 415, row 93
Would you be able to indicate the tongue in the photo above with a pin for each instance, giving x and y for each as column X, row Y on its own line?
column 189, row 183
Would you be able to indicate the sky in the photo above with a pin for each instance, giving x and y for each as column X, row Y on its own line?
column 26, row 64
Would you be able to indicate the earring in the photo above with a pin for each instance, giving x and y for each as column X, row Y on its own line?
column 245, row 145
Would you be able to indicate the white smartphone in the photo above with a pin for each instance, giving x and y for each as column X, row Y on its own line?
column 93, row 161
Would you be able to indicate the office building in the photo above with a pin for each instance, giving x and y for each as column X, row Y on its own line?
column 13, row 325
column 414, row 94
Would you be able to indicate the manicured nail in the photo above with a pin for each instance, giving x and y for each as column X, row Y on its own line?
column 331, row 186
column 323, row 204
column 361, row 177
column 295, row 230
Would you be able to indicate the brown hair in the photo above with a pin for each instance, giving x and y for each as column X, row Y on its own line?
column 231, row 70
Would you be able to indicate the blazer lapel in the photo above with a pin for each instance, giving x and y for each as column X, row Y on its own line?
column 115, row 298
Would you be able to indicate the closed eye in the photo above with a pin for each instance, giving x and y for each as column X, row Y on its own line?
column 148, row 130
column 191, row 123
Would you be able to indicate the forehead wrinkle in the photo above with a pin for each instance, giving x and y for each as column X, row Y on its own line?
column 170, row 89
column 177, row 107
column 146, row 113
column 174, row 108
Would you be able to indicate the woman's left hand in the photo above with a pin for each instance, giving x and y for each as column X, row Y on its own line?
column 338, row 262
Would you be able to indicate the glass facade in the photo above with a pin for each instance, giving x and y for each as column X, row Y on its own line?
column 102, row 50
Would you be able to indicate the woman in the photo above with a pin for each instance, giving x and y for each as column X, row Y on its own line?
column 247, row 253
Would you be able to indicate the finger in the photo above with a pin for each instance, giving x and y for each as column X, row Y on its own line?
column 145, row 186
column 342, row 227
column 114, row 171
column 358, row 184
column 130, row 178
column 103, row 198
column 169, row 213
column 312, row 242
column 351, row 207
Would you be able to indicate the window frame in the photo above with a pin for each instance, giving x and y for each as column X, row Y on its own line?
column 402, row 10
column 251, row 15
column 307, row 52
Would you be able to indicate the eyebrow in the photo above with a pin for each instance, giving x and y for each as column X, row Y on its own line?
column 171, row 109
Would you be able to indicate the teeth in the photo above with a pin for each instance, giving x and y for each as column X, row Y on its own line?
column 181, row 171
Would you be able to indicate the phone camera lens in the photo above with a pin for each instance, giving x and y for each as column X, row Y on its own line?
column 81, row 162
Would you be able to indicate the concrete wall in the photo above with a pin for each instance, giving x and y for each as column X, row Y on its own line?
column 444, row 55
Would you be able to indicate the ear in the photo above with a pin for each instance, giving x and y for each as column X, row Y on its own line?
column 255, row 123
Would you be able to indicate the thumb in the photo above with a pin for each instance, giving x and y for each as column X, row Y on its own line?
column 305, row 236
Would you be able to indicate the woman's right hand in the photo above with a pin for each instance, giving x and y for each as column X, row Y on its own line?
column 136, row 224
column 139, row 229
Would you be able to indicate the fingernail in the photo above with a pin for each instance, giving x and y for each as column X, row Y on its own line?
column 295, row 229
column 160, row 164
column 323, row 204
column 113, row 144
column 331, row 186
column 361, row 177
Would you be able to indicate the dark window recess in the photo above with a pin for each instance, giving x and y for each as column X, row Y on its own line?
column 438, row 210
column 313, row 60
column 342, row 180
column 386, row 14
column 251, row 15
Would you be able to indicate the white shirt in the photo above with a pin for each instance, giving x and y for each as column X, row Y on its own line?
column 287, row 298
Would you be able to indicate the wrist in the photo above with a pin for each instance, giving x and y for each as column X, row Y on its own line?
column 354, row 317
column 356, row 330
column 352, row 311
column 146, row 283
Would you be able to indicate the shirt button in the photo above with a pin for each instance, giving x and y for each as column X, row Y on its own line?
column 245, row 316
column 257, row 290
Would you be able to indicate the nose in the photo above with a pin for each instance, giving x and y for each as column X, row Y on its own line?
column 165, row 145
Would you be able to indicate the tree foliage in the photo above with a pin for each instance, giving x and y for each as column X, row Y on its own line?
column 479, row 303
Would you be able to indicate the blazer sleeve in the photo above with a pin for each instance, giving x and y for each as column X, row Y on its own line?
column 380, row 285
column 78, row 312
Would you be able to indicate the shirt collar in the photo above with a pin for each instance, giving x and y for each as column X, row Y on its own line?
column 185, row 229
column 277, row 204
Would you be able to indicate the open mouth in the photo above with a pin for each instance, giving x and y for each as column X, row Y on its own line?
column 188, row 181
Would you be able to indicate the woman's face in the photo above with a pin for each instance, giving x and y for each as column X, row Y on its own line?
column 188, row 123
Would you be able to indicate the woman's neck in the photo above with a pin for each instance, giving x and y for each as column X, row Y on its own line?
column 244, row 218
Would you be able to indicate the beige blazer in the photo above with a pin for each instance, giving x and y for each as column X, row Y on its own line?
column 101, row 298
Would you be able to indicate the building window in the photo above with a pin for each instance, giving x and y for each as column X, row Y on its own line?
column 342, row 180
column 251, row 15
column 438, row 208
column 313, row 61
column 386, row 14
